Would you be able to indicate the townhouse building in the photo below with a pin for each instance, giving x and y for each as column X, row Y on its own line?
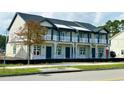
column 64, row 40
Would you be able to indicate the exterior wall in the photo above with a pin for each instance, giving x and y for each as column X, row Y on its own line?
column 104, row 51
column 19, row 22
column 75, row 45
column 87, row 51
column 21, row 51
column 117, row 44
column 43, row 52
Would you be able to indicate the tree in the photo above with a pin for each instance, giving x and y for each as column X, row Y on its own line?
column 114, row 26
column 2, row 42
column 32, row 33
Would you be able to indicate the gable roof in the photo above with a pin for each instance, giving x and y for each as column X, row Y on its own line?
column 57, row 22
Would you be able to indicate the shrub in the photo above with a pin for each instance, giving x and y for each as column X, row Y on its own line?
column 112, row 54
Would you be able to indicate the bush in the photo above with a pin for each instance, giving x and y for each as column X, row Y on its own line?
column 112, row 54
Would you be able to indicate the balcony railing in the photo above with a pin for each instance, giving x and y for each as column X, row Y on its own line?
column 84, row 40
column 102, row 41
column 95, row 40
column 64, row 38
column 47, row 37
column 75, row 39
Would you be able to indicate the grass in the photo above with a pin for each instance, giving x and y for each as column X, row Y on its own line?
column 18, row 71
column 92, row 67
column 5, row 71
column 97, row 67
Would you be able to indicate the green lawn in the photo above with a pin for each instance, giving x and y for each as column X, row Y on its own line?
column 18, row 71
column 5, row 71
column 95, row 67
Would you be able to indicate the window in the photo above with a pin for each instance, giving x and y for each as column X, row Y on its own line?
column 83, row 35
column 96, row 36
column 37, row 50
column 62, row 34
column 82, row 51
column 122, row 51
column 59, row 50
column 14, row 49
column 100, row 52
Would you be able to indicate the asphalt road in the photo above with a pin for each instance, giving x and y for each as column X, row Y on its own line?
column 101, row 75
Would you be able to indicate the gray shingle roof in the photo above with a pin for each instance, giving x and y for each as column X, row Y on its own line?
column 27, row 17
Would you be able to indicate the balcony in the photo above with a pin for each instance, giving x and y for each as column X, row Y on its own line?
column 47, row 37
column 84, row 40
column 95, row 41
column 103, row 41
column 74, row 39
column 65, row 38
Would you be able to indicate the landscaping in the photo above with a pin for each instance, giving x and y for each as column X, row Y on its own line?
column 18, row 69
column 93, row 67
column 98, row 67
column 4, row 72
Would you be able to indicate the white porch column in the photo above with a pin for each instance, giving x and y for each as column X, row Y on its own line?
column 104, row 52
column 54, row 50
column 96, row 48
column 90, row 55
column 76, row 51
column 73, row 50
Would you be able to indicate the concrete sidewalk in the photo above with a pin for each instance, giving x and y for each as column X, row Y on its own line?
column 58, row 64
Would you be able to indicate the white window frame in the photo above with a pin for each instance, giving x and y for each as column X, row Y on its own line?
column 59, row 50
column 82, row 51
column 37, row 50
column 100, row 52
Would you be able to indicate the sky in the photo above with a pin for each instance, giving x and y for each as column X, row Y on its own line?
column 95, row 18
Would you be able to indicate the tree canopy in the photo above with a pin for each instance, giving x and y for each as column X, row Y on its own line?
column 2, row 42
column 32, row 34
column 114, row 26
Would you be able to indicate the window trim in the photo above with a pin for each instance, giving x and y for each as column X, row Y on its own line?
column 37, row 50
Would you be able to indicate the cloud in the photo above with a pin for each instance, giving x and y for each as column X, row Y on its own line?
column 5, row 19
column 95, row 18
column 98, row 17
column 121, row 16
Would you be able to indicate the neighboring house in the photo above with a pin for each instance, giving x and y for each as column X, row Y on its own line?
column 117, row 44
column 65, row 39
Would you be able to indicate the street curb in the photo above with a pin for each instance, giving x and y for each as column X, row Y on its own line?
column 56, row 72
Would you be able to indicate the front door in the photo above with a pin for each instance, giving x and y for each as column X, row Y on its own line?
column 48, row 52
column 93, row 53
column 67, row 52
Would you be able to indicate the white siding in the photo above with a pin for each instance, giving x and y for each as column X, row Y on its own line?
column 21, row 51
column 19, row 22
column 117, row 44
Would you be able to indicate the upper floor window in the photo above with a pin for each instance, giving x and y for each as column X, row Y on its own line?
column 82, row 51
column 62, row 35
column 96, row 36
column 83, row 35
column 103, row 36
column 37, row 50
